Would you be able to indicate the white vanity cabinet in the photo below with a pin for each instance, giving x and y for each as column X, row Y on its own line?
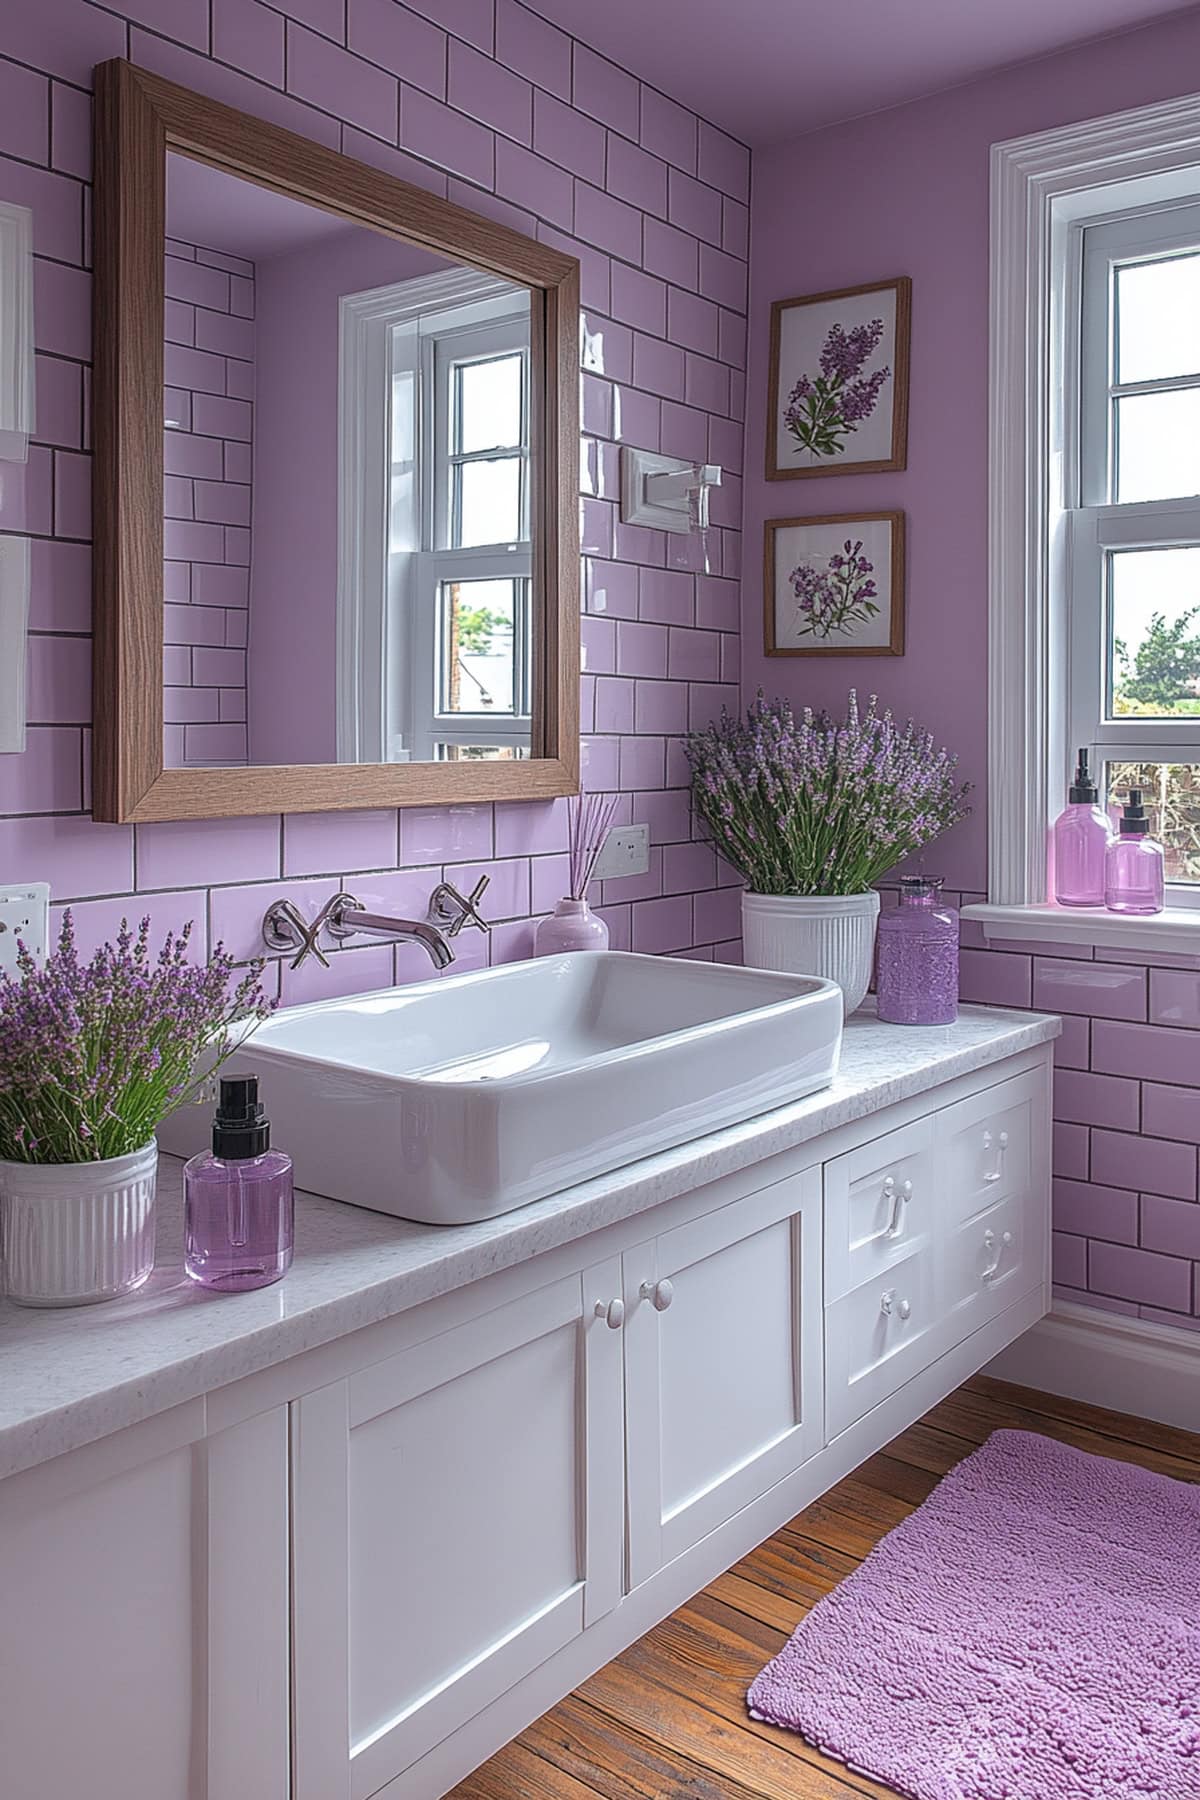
column 144, row 1619
column 354, row 1571
column 457, row 1519
column 722, row 1364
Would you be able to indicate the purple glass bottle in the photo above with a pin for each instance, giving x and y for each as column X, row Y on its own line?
column 917, row 981
column 1134, row 877
column 1081, row 837
column 239, row 1210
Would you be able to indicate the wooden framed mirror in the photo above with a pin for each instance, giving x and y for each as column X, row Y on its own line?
column 336, row 479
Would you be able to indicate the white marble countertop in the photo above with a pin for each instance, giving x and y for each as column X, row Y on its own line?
column 68, row 1377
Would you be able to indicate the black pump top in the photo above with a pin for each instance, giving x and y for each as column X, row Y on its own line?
column 1134, row 822
column 239, row 1128
column 1083, row 790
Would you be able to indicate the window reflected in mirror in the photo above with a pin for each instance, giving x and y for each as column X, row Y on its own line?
column 348, row 539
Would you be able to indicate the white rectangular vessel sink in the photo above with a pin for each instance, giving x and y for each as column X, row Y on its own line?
column 456, row 1099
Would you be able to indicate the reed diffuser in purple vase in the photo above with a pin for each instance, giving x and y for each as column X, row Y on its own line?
column 573, row 925
column 917, row 982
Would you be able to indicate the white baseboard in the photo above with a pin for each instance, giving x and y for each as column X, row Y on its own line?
column 1129, row 1365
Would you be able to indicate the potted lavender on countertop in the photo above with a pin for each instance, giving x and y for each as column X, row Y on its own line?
column 92, row 1057
column 812, row 811
column 573, row 925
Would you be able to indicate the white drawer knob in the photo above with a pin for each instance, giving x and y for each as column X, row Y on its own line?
column 660, row 1293
column 996, row 1252
column 612, row 1312
column 893, row 1308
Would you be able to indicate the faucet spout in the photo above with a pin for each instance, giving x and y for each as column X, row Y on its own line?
column 348, row 916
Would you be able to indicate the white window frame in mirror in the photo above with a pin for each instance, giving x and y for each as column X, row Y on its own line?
column 382, row 595
column 16, row 331
column 1044, row 188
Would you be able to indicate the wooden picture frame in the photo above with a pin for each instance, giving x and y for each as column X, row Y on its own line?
column 799, row 337
column 139, row 117
column 828, row 534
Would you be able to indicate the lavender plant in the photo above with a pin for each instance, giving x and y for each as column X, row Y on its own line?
column 94, row 1055
column 818, row 805
column 825, row 409
column 837, row 597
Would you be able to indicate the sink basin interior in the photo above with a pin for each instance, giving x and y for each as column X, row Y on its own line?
column 519, row 1023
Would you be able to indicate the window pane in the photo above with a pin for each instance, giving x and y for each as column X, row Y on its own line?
column 488, row 404
column 1158, row 445
column 488, row 509
column 1158, row 319
column 478, row 654
column 1171, row 794
column 1154, row 611
column 481, row 752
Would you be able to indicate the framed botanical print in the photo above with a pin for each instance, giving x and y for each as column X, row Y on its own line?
column 834, row 585
column 838, row 395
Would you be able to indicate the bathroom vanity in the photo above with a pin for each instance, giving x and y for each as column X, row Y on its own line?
column 345, row 1536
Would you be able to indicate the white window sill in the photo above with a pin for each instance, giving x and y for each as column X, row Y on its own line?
column 1176, row 930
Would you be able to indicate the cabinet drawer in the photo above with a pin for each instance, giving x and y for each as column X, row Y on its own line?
column 880, row 1203
column 878, row 1336
column 990, row 1262
column 985, row 1146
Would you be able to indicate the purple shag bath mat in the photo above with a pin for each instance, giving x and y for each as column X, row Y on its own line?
column 1032, row 1632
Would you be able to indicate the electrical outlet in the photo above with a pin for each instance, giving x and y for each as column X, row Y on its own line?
column 626, row 852
column 24, row 914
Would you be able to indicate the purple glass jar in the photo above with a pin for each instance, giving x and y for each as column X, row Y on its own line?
column 917, row 981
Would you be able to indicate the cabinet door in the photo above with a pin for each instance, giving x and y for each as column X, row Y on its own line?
column 144, row 1626
column 722, row 1365
column 457, row 1519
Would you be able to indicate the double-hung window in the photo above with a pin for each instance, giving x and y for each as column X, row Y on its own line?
column 1132, row 562
column 471, row 581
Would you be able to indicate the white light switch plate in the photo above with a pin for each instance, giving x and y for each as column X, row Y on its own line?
column 24, row 914
column 626, row 852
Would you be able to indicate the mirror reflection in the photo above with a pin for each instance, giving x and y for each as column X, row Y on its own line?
column 349, row 564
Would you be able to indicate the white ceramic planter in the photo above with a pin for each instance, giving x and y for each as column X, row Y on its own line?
column 832, row 935
column 73, row 1233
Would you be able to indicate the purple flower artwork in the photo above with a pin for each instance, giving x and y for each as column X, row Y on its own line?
column 824, row 410
column 838, row 399
column 835, row 585
column 835, row 599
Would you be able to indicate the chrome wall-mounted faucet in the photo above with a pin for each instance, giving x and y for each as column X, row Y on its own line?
column 285, row 929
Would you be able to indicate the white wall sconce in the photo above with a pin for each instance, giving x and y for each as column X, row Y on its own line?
column 666, row 491
column 16, row 331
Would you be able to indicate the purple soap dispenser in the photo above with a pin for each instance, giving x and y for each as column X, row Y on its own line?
column 239, row 1210
column 1082, row 833
column 1134, row 876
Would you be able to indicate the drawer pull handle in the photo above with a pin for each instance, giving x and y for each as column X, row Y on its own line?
column 900, row 1197
column 612, row 1312
column 890, row 1307
column 659, row 1293
column 1001, row 1146
column 996, row 1252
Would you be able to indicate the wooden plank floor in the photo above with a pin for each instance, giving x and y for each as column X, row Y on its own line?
column 667, row 1720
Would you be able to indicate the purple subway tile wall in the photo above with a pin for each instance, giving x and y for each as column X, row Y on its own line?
column 1126, row 1115
column 209, row 350
column 487, row 101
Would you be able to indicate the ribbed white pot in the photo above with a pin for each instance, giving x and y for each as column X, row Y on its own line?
column 73, row 1233
column 832, row 935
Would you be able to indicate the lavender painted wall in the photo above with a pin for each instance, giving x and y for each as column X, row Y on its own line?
column 292, row 695
column 207, row 452
column 906, row 192
column 484, row 100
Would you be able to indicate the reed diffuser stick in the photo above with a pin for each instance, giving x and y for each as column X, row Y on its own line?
column 591, row 817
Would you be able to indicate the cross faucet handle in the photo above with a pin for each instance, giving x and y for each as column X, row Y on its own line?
column 285, row 928
column 451, row 910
